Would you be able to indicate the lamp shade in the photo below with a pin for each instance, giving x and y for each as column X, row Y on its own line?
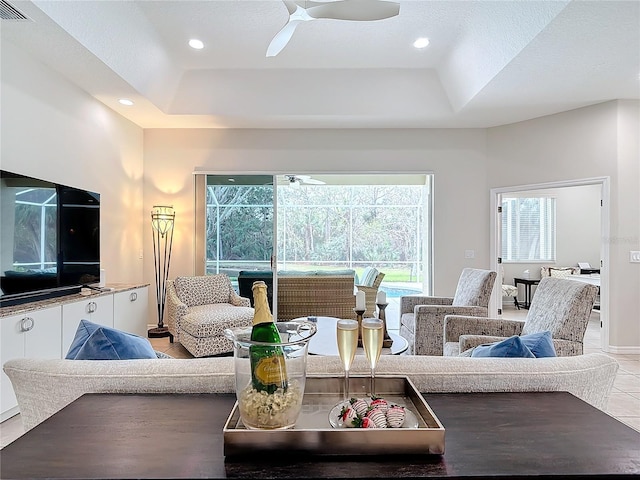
column 162, row 218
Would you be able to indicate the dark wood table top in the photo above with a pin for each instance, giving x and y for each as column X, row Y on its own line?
column 509, row 435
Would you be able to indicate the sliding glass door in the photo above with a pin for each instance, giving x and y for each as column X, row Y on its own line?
column 239, row 223
column 330, row 222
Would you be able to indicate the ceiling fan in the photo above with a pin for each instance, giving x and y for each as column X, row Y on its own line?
column 354, row 10
column 295, row 180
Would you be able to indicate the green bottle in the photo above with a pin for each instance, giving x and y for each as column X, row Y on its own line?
column 268, row 370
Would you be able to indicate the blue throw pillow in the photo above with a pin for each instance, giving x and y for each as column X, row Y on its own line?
column 104, row 343
column 510, row 347
column 540, row 344
column 85, row 329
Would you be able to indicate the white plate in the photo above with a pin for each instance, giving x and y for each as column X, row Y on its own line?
column 410, row 419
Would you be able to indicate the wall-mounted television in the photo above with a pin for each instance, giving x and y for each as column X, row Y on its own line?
column 49, row 239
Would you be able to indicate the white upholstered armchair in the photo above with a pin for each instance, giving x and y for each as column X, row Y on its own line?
column 198, row 310
column 422, row 317
column 561, row 306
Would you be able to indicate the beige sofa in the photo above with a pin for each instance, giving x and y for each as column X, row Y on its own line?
column 44, row 386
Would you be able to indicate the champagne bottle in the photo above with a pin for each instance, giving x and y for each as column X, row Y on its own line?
column 268, row 370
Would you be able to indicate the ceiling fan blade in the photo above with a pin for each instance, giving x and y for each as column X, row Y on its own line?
column 306, row 179
column 357, row 10
column 291, row 6
column 282, row 38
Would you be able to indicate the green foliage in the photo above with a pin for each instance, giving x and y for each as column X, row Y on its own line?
column 340, row 225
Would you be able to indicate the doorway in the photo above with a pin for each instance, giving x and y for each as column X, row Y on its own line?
column 602, row 185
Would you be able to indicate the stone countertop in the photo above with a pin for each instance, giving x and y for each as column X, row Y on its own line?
column 76, row 297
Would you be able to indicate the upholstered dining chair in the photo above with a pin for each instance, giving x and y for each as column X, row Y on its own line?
column 560, row 306
column 422, row 317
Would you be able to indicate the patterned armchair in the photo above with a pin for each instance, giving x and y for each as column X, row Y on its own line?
column 422, row 318
column 561, row 306
column 199, row 308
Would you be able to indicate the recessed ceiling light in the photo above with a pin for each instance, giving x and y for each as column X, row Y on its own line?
column 421, row 42
column 197, row 44
column 126, row 101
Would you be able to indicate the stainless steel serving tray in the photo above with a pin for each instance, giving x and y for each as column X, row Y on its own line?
column 314, row 434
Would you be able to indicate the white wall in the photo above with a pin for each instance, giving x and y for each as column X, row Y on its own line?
column 598, row 141
column 577, row 229
column 55, row 131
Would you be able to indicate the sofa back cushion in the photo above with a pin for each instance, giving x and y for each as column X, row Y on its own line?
column 203, row 290
column 474, row 288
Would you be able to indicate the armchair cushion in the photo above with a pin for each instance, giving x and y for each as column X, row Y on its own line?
column 509, row 347
column 203, row 290
column 368, row 276
column 474, row 287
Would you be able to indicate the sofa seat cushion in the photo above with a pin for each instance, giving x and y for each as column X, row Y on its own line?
column 210, row 320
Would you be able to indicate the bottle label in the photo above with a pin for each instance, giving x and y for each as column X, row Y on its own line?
column 271, row 370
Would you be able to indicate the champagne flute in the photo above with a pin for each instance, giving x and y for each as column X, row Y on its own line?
column 347, row 334
column 372, row 337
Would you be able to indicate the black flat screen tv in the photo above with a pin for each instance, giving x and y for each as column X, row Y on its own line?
column 49, row 239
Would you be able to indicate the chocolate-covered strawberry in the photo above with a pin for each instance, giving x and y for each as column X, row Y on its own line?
column 395, row 416
column 378, row 417
column 360, row 405
column 348, row 415
column 380, row 403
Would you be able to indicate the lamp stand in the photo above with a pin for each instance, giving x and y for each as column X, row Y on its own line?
column 387, row 341
column 162, row 242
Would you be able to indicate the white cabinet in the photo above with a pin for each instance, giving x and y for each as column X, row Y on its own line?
column 97, row 309
column 48, row 332
column 130, row 311
column 35, row 334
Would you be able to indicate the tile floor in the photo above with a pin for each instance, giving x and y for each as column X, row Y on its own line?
column 624, row 402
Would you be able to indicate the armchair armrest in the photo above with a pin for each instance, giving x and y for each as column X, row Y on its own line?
column 238, row 301
column 429, row 326
column 457, row 325
column 567, row 348
column 175, row 309
column 409, row 302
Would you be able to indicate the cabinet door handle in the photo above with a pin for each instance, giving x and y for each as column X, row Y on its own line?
column 133, row 297
column 26, row 324
column 92, row 307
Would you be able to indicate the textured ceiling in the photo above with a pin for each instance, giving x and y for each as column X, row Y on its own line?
column 488, row 63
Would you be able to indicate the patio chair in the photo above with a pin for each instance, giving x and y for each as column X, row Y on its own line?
column 422, row 318
column 371, row 280
column 560, row 306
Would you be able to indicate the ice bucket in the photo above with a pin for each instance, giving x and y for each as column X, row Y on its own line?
column 279, row 409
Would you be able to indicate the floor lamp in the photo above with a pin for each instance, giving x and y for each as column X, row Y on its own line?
column 162, row 220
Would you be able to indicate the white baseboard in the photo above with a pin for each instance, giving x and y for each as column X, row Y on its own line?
column 633, row 350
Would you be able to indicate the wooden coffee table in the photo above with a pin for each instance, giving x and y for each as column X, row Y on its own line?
column 505, row 435
column 325, row 342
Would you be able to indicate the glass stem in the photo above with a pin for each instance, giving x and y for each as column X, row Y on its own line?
column 373, row 382
column 346, row 386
